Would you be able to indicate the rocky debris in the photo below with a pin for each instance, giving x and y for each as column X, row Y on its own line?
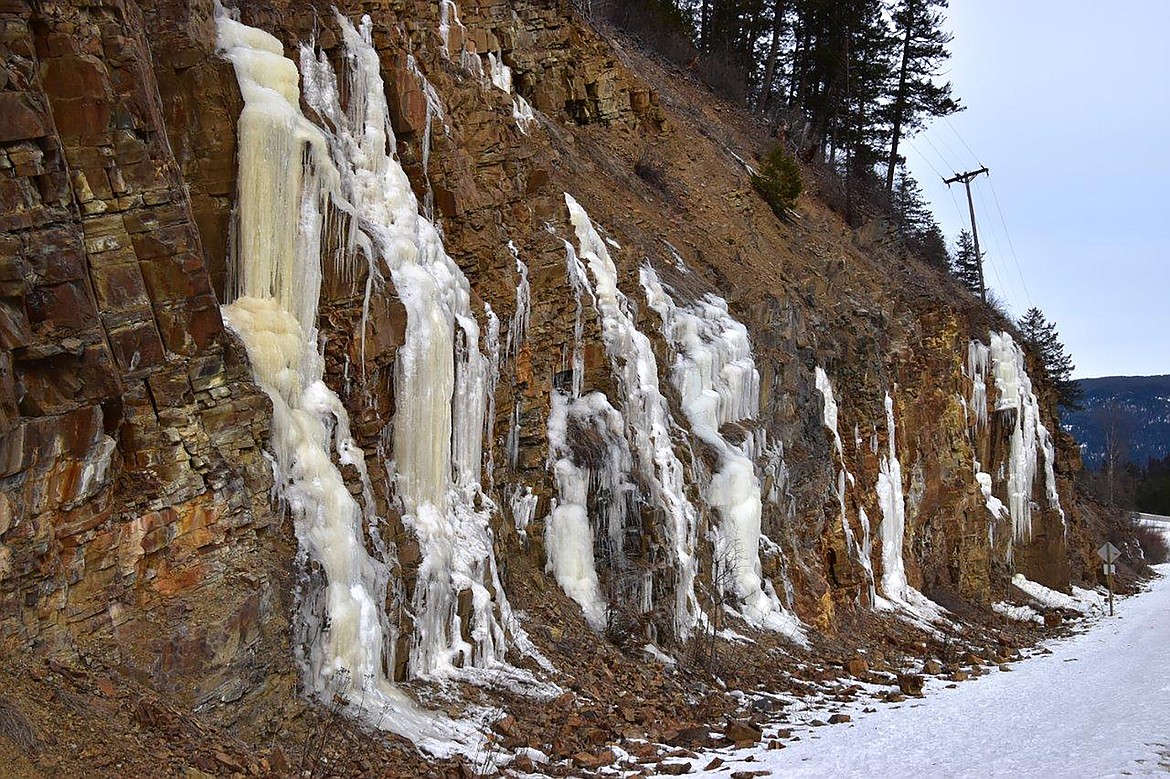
column 911, row 684
column 742, row 733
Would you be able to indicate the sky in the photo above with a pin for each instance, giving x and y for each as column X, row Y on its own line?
column 1068, row 105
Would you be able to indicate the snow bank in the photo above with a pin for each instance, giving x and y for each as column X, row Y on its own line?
column 1083, row 601
column 1018, row 613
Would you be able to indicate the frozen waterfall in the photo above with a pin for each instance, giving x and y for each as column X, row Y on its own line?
column 648, row 423
column 717, row 380
column 286, row 182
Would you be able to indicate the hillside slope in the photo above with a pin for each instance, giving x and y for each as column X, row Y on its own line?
column 1134, row 408
column 286, row 463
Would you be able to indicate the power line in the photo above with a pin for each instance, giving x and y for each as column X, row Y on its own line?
column 998, row 248
column 1011, row 246
column 924, row 158
column 953, row 153
column 968, row 148
column 941, row 156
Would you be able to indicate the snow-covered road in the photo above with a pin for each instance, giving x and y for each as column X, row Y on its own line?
column 1098, row 706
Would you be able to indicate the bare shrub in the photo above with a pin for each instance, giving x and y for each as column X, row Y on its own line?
column 650, row 171
column 1152, row 542
column 15, row 727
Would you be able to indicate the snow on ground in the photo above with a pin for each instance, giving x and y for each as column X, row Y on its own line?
column 1097, row 706
column 1084, row 601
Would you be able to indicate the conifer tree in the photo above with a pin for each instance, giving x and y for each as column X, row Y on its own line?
column 914, row 224
column 1041, row 337
column 922, row 43
column 966, row 266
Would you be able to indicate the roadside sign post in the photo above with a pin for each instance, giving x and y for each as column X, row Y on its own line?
column 1109, row 553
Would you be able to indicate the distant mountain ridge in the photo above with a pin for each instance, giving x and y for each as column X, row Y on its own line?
column 1137, row 408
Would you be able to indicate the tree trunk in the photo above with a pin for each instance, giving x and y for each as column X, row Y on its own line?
column 899, row 107
column 779, row 7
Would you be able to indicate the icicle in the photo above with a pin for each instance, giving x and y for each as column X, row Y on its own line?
column 860, row 551
column 434, row 111
column 285, row 177
column 717, row 380
column 648, row 422
column 492, row 341
column 976, row 370
column 1030, row 438
column 512, row 443
column 579, row 284
column 518, row 328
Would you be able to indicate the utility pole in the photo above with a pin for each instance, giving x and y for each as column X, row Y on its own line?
column 966, row 178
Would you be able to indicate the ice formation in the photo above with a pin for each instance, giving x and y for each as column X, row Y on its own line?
column 285, row 182
column 977, row 360
column 1030, row 439
column 448, row 13
column 569, row 535
column 892, row 502
column 441, row 376
column 523, row 505
column 861, row 551
column 893, row 506
column 501, row 76
column 648, row 423
column 718, row 383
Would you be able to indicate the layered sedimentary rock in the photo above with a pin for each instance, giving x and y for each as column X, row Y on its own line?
column 681, row 409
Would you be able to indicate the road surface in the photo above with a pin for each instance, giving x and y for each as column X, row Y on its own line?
column 1098, row 706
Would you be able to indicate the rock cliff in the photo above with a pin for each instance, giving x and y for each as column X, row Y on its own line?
column 898, row 459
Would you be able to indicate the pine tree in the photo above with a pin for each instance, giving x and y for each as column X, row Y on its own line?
column 1042, row 338
column 914, row 224
column 966, row 266
column 922, row 52
column 841, row 72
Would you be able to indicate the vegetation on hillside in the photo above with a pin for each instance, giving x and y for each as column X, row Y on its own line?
column 778, row 181
column 842, row 84
column 1041, row 337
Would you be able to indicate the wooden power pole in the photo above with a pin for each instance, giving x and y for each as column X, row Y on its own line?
column 966, row 178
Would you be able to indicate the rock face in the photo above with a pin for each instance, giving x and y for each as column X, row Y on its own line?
column 135, row 513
